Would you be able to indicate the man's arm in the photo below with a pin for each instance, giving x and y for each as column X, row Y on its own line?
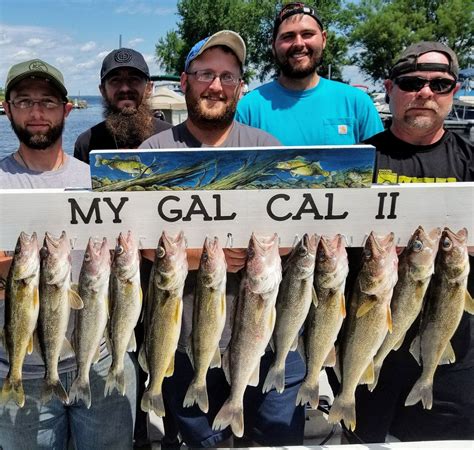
column 5, row 263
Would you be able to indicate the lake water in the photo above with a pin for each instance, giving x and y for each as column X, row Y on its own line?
column 79, row 120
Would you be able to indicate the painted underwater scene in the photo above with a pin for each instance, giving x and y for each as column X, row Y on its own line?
column 254, row 168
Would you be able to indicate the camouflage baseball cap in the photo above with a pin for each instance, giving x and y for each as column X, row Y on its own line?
column 34, row 68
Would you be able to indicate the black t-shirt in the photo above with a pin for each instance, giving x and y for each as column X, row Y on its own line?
column 99, row 138
column 450, row 159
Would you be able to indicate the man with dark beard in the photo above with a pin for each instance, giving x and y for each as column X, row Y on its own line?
column 300, row 107
column 125, row 86
column 212, row 83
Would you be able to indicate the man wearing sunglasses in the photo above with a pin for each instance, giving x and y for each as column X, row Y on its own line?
column 417, row 148
column 300, row 107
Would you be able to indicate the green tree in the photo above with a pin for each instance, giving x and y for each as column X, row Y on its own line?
column 379, row 30
column 253, row 20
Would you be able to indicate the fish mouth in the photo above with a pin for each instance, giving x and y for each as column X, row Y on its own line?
column 311, row 242
column 53, row 241
column 265, row 243
column 170, row 243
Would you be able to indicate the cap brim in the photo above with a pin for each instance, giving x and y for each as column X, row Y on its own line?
column 41, row 75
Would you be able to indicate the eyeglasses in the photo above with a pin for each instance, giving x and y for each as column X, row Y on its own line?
column 416, row 84
column 27, row 103
column 207, row 76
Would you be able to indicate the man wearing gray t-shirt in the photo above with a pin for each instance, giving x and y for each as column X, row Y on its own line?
column 212, row 83
column 36, row 105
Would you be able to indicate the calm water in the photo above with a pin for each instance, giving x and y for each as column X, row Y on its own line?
column 78, row 121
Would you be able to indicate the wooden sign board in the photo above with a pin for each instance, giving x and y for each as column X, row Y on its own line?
column 234, row 215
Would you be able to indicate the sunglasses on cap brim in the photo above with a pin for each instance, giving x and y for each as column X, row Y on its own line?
column 415, row 84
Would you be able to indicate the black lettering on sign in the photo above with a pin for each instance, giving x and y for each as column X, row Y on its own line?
column 177, row 214
column 219, row 215
column 311, row 209
column 197, row 207
column 393, row 204
column 94, row 208
column 271, row 214
column 116, row 210
column 330, row 215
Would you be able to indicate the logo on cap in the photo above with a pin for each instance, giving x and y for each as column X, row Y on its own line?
column 123, row 56
column 38, row 66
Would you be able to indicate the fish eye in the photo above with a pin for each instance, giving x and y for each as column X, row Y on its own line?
column 417, row 245
column 302, row 251
column 87, row 257
column 367, row 253
column 160, row 252
column 44, row 252
column 250, row 253
column 18, row 248
column 205, row 256
column 119, row 250
column 447, row 243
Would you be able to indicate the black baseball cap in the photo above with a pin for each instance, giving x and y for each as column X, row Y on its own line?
column 290, row 9
column 124, row 57
column 408, row 60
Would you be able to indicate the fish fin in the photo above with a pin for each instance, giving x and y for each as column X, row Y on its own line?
column 275, row 379
column 96, row 355
column 294, row 345
column 271, row 343
column 226, row 365
column 223, row 304
column 80, row 390
column 54, row 388
column 343, row 306
column 178, row 312
column 337, row 366
column 142, row 359
column 415, row 349
column 389, row 318
column 230, row 415
column 115, row 380
column 153, row 402
column 399, row 343
column 135, row 158
column 272, row 319
column 365, row 307
column 140, row 296
column 74, row 300
column 216, row 359
column 469, row 303
column 36, row 297
column 255, row 377
column 170, row 369
column 132, row 343
column 197, row 394
column 13, row 391
column 314, row 297
column 66, row 350
column 343, row 411
column 308, row 394
column 368, row 375
column 29, row 349
column 448, row 355
column 330, row 360
column 301, row 348
column 371, row 386
column 421, row 392
column 36, row 342
column 189, row 352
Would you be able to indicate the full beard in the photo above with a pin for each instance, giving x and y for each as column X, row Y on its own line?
column 130, row 126
column 207, row 118
column 38, row 141
column 291, row 71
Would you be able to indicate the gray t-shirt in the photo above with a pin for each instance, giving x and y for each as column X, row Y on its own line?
column 179, row 137
column 73, row 174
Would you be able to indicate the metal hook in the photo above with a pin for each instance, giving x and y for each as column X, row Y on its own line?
column 230, row 240
column 72, row 242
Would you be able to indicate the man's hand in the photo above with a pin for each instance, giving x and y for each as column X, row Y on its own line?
column 235, row 258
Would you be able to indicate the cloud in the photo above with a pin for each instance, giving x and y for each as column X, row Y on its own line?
column 133, row 8
column 34, row 42
column 87, row 46
column 133, row 42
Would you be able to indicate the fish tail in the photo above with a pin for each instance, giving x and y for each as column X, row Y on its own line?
column 372, row 386
column 232, row 415
column 153, row 402
column 54, row 388
column 81, row 390
column 197, row 393
column 343, row 411
column 308, row 393
column 421, row 391
column 13, row 390
column 275, row 379
column 115, row 380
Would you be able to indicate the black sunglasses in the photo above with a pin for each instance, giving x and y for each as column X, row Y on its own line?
column 415, row 84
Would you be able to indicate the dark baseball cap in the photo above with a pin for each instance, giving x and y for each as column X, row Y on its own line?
column 124, row 57
column 34, row 68
column 290, row 9
column 408, row 60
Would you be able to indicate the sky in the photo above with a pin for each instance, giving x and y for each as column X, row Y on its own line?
column 76, row 35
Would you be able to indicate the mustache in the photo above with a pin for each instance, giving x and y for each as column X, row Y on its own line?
column 423, row 104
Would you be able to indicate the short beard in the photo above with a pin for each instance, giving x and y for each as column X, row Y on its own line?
column 292, row 72
column 130, row 126
column 202, row 118
column 38, row 141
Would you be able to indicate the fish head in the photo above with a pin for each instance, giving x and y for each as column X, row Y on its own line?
column 420, row 252
column 171, row 263
column 332, row 264
column 126, row 259
column 96, row 260
column 212, row 264
column 263, row 265
column 452, row 259
column 379, row 271
column 55, row 258
column 303, row 256
column 26, row 258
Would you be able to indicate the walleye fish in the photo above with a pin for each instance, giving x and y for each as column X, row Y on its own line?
column 56, row 300
column 21, row 313
column 131, row 165
column 164, row 307
column 292, row 306
column 209, row 314
column 92, row 319
column 448, row 298
column 326, row 316
column 124, row 310
column 254, row 320
column 415, row 267
column 367, row 324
